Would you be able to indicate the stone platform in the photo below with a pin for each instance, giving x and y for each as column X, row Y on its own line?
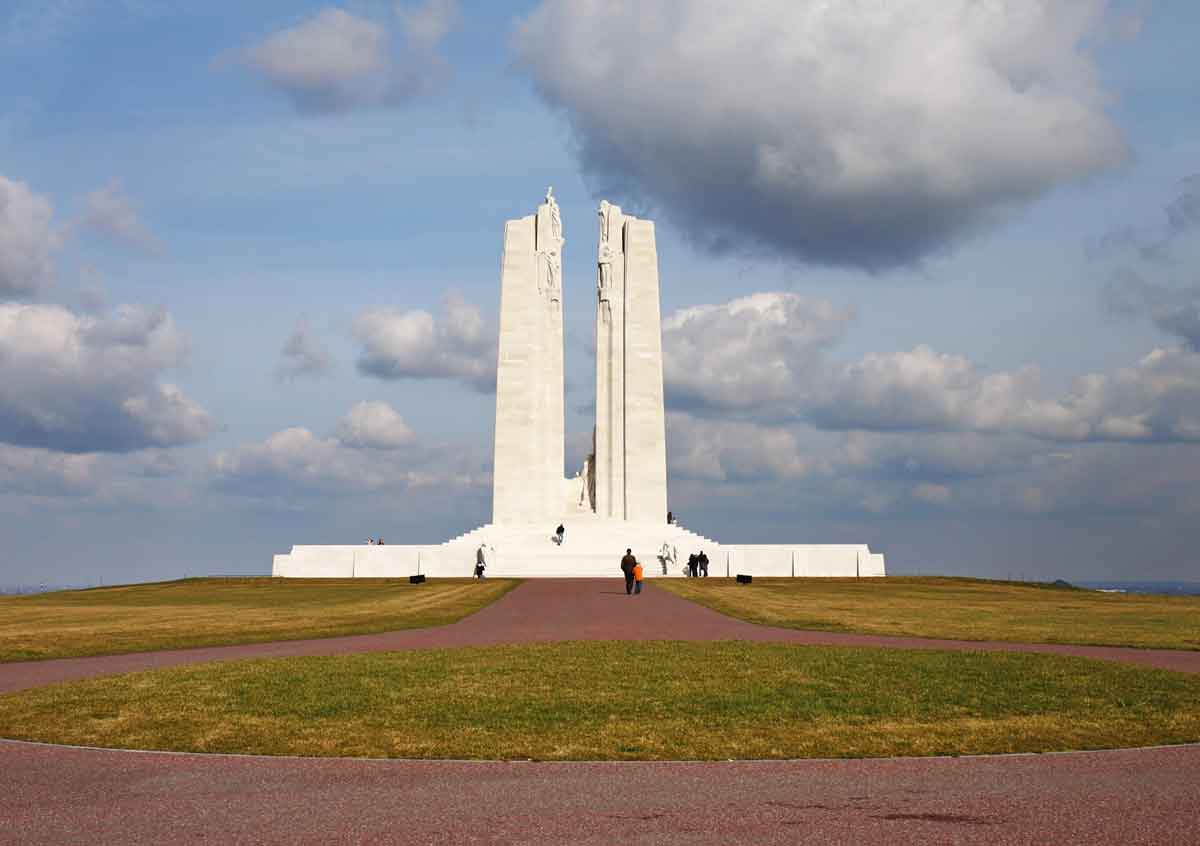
column 593, row 547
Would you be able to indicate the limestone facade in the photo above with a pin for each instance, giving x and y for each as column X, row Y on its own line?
column 529, row 440
column 619, row 499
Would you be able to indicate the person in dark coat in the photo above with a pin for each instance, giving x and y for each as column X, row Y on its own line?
column 702, row 561
column 692, row 565
column 627, row 565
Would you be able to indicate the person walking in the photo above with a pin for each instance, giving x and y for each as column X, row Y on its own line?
column 702, row 561
column 627, row 565
column 559, row 534
column 481, row 561
column 637, row 578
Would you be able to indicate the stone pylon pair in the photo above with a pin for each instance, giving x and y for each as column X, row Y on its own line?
column 625, row 477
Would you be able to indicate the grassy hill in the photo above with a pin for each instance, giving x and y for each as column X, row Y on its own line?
column 956, row 608
column 223, row 611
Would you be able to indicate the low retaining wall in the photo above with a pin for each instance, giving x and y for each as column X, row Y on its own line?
column 458, row 560
column 806, row 560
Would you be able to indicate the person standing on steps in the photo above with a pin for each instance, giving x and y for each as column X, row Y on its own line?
column 637, row 578
column 559, row 533
column 702, row 560
column 627, row 565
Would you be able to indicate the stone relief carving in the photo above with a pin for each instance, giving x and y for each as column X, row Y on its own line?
column 604, row 258
column 549, row 255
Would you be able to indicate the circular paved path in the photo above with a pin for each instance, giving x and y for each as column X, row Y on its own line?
column 59, row 795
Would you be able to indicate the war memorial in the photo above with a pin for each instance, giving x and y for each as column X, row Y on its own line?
column 618, row 499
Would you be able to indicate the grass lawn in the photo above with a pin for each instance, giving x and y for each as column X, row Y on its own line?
column 596, row 700
column 214, row 612
column 968, row 609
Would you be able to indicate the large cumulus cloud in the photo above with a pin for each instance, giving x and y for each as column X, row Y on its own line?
column 459, row 344
column 750, row 352
column 856, row 133
column 85, row 383
column 764, row 358
column 372, row 450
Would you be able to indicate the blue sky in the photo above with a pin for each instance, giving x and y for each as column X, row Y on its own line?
column 928, row 271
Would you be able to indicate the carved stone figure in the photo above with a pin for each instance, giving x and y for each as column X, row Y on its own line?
column 549, row 254
column 587, row 487
column 605, row 254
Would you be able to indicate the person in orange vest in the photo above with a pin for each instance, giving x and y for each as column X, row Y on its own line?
column 637, row 577
column 627, row 564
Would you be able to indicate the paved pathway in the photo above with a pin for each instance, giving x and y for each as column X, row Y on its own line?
column 55, row 795
column 544, row 610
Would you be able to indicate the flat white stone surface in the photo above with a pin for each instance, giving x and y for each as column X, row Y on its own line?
column 592, row 547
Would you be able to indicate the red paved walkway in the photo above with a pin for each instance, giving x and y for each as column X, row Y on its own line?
column 54, row 795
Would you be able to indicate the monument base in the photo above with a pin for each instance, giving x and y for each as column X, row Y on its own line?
column 592, row 547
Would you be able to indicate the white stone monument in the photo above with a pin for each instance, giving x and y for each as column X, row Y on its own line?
column 619, row 498
column 528, row 469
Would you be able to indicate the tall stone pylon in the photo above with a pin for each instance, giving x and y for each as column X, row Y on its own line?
column 527, row 484
column 630, row 461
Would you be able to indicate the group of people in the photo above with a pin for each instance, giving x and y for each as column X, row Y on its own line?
column 697, row 563
column 375, row 542
column 633, row 572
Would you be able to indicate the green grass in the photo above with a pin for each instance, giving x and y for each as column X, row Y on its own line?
column 653, row 700
column 220, row 611
column 967, row 609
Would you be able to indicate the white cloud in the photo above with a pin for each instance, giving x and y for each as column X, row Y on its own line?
column 372, row 451
column 297, row 455
column 924, row 389
column 460, row 344
column 763, row 358
column 28, row 240
column 935, row 457
column 864, row 134
column 108, row 212
column 755, row 469
column 374, row 425
column 91, row 384
column 335, row 61
column 748, row 352
column 41, row 472
column 45, row 476
column 303, row 355
column 723, row 450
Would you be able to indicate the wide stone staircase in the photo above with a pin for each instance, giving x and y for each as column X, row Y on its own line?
column 591, row 547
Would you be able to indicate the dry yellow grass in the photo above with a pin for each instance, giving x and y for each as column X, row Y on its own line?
column 213, row 612
column 955, row 608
